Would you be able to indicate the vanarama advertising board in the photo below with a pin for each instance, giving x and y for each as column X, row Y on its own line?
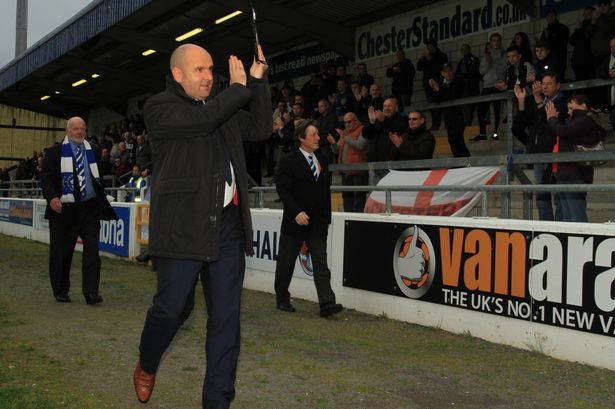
column 547, row 277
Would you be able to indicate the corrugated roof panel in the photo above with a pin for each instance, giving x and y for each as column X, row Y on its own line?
column 83, row 26
column 342, row 10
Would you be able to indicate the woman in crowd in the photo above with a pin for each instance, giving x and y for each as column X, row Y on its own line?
column 579, row 129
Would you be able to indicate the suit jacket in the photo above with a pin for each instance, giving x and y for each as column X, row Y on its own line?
column 299, row 192
column 51, row 182
column 187, row 139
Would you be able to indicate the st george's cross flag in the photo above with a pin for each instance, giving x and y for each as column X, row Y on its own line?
column 433, row 203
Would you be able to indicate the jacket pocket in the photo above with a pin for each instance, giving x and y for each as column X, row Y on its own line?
column 178, row 185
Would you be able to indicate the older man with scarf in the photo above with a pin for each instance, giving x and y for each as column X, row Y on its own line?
column 76, row 203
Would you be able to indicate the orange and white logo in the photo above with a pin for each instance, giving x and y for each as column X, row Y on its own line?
column 414, row 262
column 305, row 260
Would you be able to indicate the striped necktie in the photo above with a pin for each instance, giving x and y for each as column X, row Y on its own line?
column 313, row 167
column 80, row 171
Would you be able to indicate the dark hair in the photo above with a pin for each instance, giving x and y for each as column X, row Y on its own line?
column 551, row 74
column 301, row 130
column 513, row 48
column 580, row 99
column 495, row 35
column 393, row 97
column 542, row 44
column 604, row 2
column 418, row 111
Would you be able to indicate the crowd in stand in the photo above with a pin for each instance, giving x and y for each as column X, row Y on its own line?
column 357, row 123
column 125, row 155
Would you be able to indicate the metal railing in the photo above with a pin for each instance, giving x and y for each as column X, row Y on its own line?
column 514, row 163
column 259, row 192
column 30, row 189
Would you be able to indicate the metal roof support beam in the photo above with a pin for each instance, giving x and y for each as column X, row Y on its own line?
column 60, row 109
column 121, row 75
column 316, row 28
column 140, row 39
column 117, row 105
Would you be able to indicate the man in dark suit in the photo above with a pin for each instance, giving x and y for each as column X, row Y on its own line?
column 76, row 202
column 303, row 182
column 200, row 225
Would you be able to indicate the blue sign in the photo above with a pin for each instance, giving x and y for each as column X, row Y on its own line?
column 115, row 234
column 5, row 205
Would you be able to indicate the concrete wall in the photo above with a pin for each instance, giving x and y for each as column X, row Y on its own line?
column 19, row 143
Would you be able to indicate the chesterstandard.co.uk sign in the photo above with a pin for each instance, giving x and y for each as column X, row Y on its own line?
column 452, row 21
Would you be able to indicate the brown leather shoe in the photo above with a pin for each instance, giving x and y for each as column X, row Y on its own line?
column 144, row 384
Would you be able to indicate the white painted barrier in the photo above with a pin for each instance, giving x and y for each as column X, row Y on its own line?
column 543, row 286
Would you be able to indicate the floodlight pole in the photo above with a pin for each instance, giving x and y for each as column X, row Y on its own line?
column 21, row 27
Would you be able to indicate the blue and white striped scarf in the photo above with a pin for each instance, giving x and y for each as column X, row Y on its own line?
column 67, row 168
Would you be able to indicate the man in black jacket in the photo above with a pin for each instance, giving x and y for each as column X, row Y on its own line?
column 76, row 203
column 451, row 88
column 468, row 70
column 530, row 124
column 200, row 216
column 431, row 64
column 303, row 182
column 402, row 73
column 556, row 34
column 416, row 143
column 377, row 130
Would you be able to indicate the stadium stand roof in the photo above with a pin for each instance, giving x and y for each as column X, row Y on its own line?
column 108, row 37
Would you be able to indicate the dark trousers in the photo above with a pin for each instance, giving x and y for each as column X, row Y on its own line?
column 483, row 111
column 454, row 129
column 436, row 114
column 287, row 255
column 354, row 201
column 82, row 220
column 222, row 281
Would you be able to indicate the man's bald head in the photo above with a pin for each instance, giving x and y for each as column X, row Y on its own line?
column 178, row 57
column 74, row 120
column 351, row 121
column 192, row 67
